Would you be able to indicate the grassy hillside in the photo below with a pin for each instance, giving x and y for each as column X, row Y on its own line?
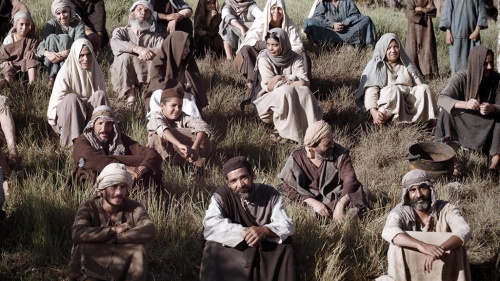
column 35, row 238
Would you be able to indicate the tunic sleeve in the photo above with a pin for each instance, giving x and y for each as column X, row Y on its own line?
column 371, row 97
column 352, row 13
column 290, row 175
column 457, row 223
column 281, row 224
column 120, row 42
column 83, row 231
column 143, row 231
column 98, row 17
column 295, row 40
column 482, row 19
column 393, row 226
column 320, row 12
column 446, row 16
column 453, row 92
column 412, row 15
column 219, row 229
column 266, row 72
column 151, row 158
column 157, row 123
column 298, row 72
column 196, row 124
column 94, row 160
column 347, row 175
column 48, row 29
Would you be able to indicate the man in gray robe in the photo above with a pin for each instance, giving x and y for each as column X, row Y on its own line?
column 110, row 232
column 462, row 21
column 426, row 236
column 247, row 231
column 338, row 21
column 134, row 47
column 320, row 174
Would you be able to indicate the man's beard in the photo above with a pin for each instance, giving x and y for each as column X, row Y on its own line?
column 423, row 206
column 324, row 155
column 138, row 25
column 247, row 195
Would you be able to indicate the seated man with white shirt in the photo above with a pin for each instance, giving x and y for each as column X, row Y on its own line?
column 247, row 231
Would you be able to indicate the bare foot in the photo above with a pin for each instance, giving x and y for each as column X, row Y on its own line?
column 275, row 137
column 495, row 161
column 131, row 102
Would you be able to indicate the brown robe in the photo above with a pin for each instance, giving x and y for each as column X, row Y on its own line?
column 102, row 254
column 328, row 183
column 88, row 161
column 270, row 262
column 212, row 40
column 168, row 64
column 15, row 52
column 420, row 41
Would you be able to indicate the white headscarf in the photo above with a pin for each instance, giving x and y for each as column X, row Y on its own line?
column 375, row 72
column 59, row 4
column 114, row 173
column 144, row 3
column 71, row 78
column 260, row 27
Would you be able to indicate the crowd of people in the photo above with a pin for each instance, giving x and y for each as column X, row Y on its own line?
column 247, row 232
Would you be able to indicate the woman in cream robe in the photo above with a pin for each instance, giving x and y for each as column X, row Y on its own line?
column 391, row 87
column 285, row 99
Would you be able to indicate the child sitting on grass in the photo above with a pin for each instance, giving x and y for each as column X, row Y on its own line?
column 176, row 135
column 17, row 54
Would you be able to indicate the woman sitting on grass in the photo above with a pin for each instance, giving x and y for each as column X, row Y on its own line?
column 175, row 61
column 79, row 88
column 274, row 15
column 235, row 14
column 206, row 29
column 175, row 134
column 17, row 54
column 282, row 95
column 58, row 36
column 471, row 107
column 391, row 87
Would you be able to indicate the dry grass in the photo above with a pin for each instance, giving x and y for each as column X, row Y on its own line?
column 35, row 238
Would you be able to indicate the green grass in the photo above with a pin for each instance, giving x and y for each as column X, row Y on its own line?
column 35, row 238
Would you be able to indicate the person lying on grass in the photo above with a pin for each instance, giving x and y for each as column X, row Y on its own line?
column 18, row 52
column 177, row 135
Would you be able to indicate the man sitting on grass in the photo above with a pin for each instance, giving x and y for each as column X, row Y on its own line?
column 103, row 143
column 110, row 232
column 426, row 236
column 134, row 47
column 247, row 230
column 321, row 175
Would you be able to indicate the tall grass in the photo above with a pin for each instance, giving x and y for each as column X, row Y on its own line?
column 35, row 238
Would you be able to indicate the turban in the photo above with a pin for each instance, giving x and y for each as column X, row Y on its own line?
column 176, row 90
column 104, row 112
column 315, row 133
column 59, row 4
column 416, row 177
column 144, row 3
column 21, row 15
column 236, row 163
column 114, row 173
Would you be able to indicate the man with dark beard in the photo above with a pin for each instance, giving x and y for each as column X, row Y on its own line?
column 102, row 143
column 426, row 236
column 247, row 231
column 320, row 174
column 110, row 232
column 134, row 47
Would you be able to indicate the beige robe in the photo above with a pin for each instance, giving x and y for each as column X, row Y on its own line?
column 290, row 108
column 127, row 70
column 184, row 129
column 405, row 97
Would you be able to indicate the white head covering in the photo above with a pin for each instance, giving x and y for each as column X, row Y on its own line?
column 59, row 4
column 71, row 78
column 315, row 133
column 112, row 174
column 375, row 72
column 144, row 3
column 260, row 27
